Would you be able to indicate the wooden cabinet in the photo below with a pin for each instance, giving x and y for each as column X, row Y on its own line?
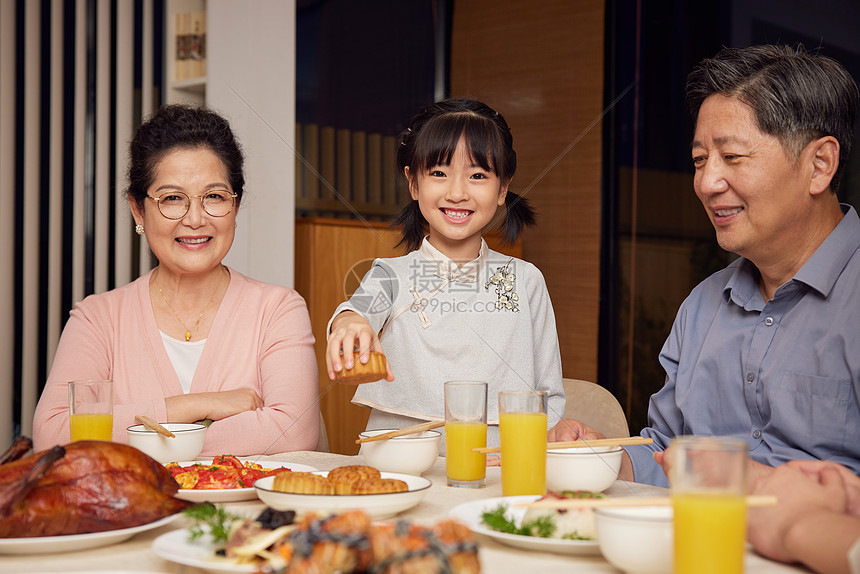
column 332, row 255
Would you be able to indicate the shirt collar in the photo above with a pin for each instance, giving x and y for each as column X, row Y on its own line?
column 742, row 286
column 820, row 271
column 823, row 268
column 445, row 268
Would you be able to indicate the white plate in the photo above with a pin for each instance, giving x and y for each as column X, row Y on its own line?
column 70, row 542
column 234, row 494
column 470, row 514
column 376, row 505
column 175, row 547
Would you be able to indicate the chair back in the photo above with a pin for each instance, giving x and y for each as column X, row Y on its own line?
column 595, row 406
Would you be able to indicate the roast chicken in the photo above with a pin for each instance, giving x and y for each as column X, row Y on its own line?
column 86, row 486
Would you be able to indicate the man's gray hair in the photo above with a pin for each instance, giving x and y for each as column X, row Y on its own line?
column 795, row 95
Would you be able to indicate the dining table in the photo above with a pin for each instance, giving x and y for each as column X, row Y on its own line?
column 136, row 554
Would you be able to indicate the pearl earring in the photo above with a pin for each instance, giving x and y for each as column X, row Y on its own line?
column 138, row 229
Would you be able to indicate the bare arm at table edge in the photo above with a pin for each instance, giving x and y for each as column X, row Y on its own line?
column 809, row 524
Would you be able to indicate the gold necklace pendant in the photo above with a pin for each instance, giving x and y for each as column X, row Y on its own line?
column 199, row 317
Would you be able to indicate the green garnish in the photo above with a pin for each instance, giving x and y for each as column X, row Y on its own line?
column 498, row 519
column 574, row 536
column 210, row 519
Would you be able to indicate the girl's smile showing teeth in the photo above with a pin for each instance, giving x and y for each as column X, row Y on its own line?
column 456, row 214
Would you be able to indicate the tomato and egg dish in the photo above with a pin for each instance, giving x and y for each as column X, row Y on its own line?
column 225, row 471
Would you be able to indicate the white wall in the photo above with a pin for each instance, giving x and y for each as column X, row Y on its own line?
column 251, row 81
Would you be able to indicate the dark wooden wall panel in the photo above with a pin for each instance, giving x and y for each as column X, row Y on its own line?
column 541, row 65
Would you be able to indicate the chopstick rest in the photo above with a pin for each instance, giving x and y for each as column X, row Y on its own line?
column 582, row 443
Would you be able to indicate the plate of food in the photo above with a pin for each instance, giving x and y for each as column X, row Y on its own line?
column 71, row 542
column 178, row 546
column 226, row 478
column 380, row 494
column 275, row 541
column 222, row 542
column 570, row 532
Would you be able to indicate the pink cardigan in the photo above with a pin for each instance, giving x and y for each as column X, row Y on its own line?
column 260, row 338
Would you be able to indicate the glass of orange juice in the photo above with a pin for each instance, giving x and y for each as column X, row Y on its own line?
column 91, row 410
column 465, row 429
column 708, row 482
column 522, row 432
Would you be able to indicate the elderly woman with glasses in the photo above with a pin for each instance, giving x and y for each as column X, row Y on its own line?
column 192, row 339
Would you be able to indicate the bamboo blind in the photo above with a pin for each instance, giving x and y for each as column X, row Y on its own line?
column 342, row 173
column 71, row 94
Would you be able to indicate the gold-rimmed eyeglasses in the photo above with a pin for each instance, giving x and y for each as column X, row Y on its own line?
column 175, row 204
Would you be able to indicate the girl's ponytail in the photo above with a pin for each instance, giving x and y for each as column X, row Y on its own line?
column 518, row 215
column 411, row 224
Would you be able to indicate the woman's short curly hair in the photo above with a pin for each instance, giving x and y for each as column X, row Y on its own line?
column 179, row 126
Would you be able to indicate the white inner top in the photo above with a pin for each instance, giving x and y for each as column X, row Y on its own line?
column 184, row 356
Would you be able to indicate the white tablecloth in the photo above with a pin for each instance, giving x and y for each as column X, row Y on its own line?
column 135, row 554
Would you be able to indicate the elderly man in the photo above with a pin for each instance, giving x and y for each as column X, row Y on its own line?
column 768, row 349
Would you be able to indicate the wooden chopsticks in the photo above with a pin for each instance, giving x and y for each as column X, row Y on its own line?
column 402, row 432
column 621, row 501
column 582, row 443
column 152, row 425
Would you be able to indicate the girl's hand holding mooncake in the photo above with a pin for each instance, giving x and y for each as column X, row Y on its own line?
column 350, row 334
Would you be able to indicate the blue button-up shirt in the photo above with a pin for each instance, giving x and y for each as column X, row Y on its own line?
column 782, row 374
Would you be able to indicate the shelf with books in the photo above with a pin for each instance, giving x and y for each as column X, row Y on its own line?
column 194, row 85
column 185, row 51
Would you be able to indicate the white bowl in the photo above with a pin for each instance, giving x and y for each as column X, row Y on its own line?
column 185, row 446
column 593, row 469
column 637, row 540
column 410, row 454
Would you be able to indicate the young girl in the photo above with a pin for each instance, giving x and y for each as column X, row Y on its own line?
column 451, row 309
